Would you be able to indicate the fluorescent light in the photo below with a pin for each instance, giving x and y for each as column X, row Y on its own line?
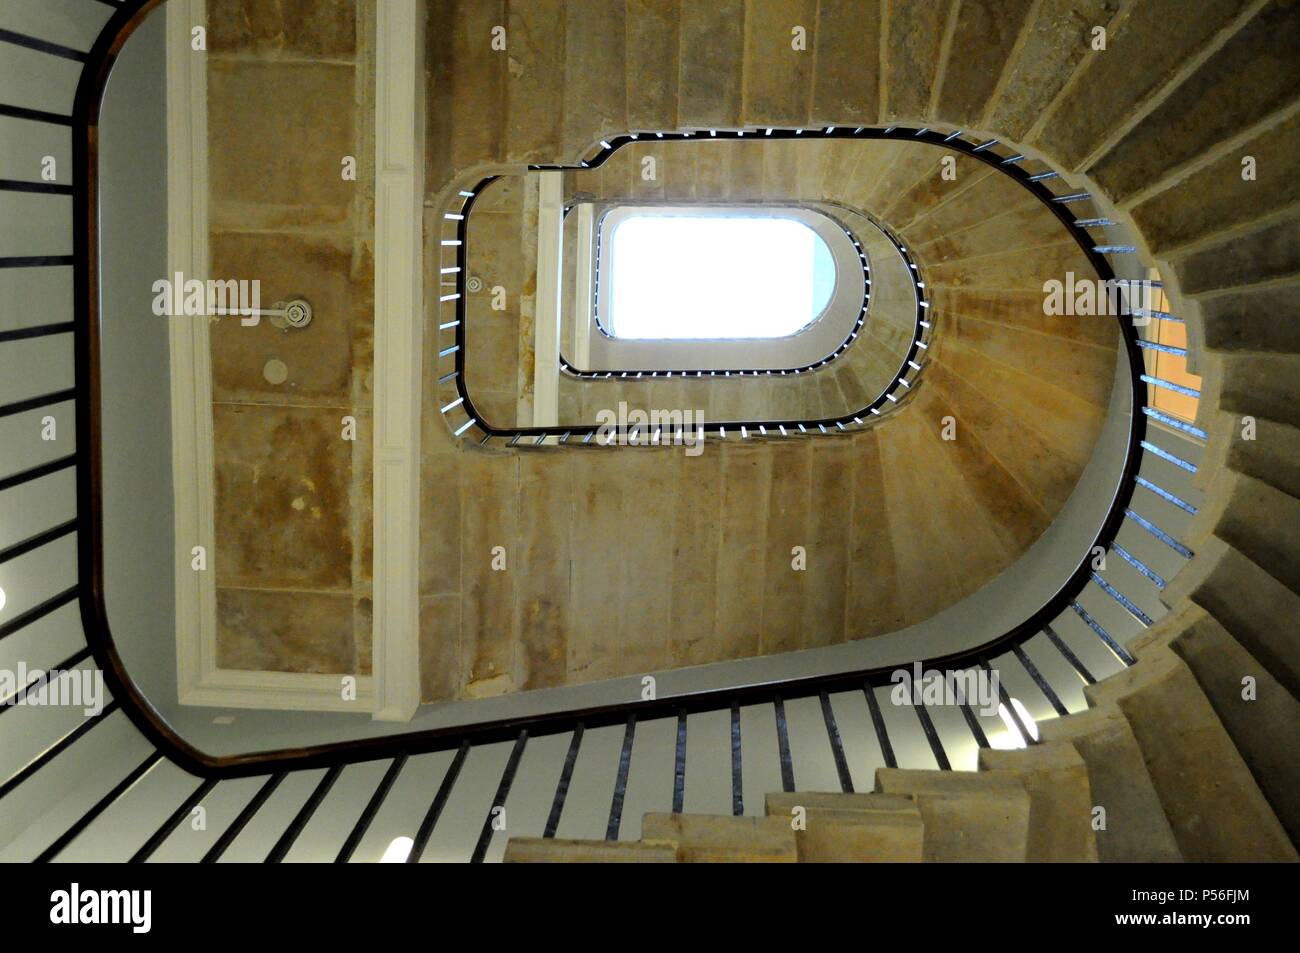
column 397, row 851
column 2, row 597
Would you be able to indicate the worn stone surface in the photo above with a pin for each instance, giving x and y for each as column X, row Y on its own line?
column 1215, row 581
column 285, row 631
column 984, row 38
column 910, row 59
column 1265, row 728
column 969, row 817
column 853, row 828
column 282, row 512
column 315, row 29
column 1060, row 800
column 1057, row 40
column 1245, row 80
column 1136, row 830
column 1263, row 254
column 652, row 44
column 319, row 357
column 778, row 93
column 1216, row 197
column 845, row 86
column 1214, row 806
column 703, row 839
column 254, row 108
column 553, row 850
column 292, row 425
column 709, row 83
column 595, row 84
column 1131, row 69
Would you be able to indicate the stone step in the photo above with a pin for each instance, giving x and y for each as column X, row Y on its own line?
column 1270, row 252
column 651, row 64
column 931, row 526
column 1258, row 521
column 712, row 839
column 910, row 56
column 846, row 67
column 1257, row 609
column 535, row 81
column 1254, row 319
column 1261, row 385
column 853, row 828
column 595, row 93
column 540, row 850
column 1054, row 42
column 1136, row 829
column 1060, row 799
column 777, row 83
column 1236, row 87
column 1214, row 806
column 1264, row 725
column 1081, row 121
column 1271, row 455
column 968, row 817
column 710, row 56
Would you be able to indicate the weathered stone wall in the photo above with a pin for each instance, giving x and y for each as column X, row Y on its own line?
column 290, row 94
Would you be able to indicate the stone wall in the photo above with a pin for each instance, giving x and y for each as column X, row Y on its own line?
column 290, row 95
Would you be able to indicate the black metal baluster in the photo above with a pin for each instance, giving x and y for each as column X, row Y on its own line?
column 1011, row 709
column 932, row 736
column 14, row 700
column 421, row 839
column 620, row 782
column 837, row 745
column 968, row 713
column 371, row 809
column 304, row 815
column 228, row 836
column 1087, row 676
column 499, row 799
column 783, row 745
column 737, row 779
column 562, row 786
column 1048, row 692
column 100, row 806
column 882, row 731
column 679, row 765
column 52, row 752
column 173, row 821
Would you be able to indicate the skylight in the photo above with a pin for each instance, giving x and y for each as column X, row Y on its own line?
column 683, row 276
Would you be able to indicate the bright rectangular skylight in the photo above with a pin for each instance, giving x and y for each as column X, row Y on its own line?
column 716, row 276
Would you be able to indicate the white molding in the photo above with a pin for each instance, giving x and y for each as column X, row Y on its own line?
column 399, row 326
column 199, row 680
column 191, row 368
column 583, row 297
column 546, row 325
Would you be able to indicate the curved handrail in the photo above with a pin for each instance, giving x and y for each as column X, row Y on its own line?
column 469, row 417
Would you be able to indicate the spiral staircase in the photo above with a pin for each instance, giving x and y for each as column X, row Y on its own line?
column 1162, row 688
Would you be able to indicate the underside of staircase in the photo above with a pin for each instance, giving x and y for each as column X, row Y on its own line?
column 1170, row 763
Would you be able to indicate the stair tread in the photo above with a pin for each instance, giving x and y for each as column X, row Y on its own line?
column 1215, row 808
